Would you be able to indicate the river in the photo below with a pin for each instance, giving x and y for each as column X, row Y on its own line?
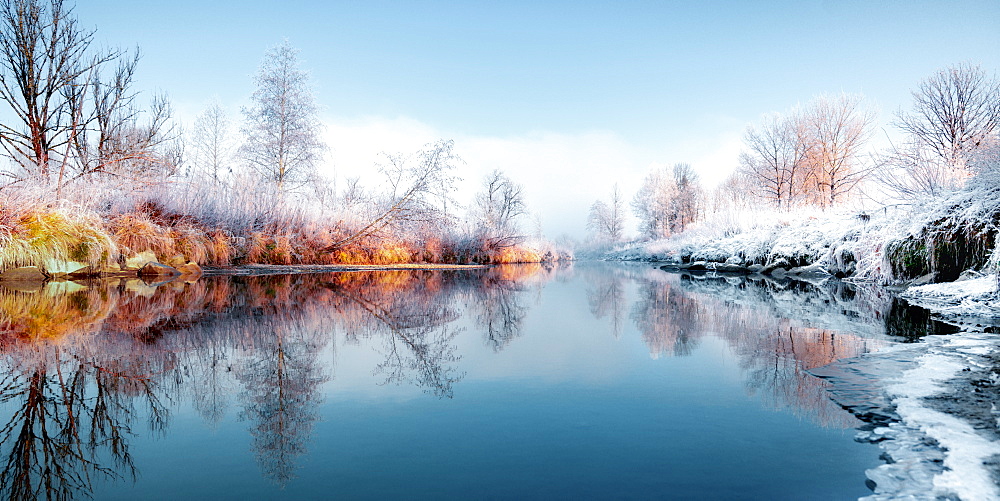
column 575, row 381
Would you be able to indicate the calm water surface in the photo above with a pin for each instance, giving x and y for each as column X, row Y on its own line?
column 575, row 382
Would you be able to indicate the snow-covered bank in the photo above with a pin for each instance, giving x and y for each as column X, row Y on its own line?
column 772, row 241
column 974, row 303
column 936, row 240
column 932, row 406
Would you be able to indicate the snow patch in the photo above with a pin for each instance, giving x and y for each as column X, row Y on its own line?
column 977, row 297
column 964, row 450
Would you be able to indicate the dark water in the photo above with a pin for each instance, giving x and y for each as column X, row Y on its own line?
column 589, row 381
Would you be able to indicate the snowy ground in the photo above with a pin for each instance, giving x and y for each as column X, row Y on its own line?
column 973, row 303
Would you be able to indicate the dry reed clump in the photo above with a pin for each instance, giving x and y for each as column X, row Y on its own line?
column 263, row 248
column 190, row 242
column 220, row 248
column 42, row 235
column 137, row 233
column 516, row 254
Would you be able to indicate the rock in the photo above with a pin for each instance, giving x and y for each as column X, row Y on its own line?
column 108, row 270
column 734, row 260
column 24, row 274
column 731, row 268
column 59, row 268
column 189, row 269
column 812, row 270
column 139, row 260
column 780, row 263
column 176, row 261
column 755, row 268
column 697, row 266
column 158, row 270
column 969, row 275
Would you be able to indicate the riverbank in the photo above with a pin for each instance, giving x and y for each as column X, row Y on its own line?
column 936, row 240
column 932, row 406
column 48, row 241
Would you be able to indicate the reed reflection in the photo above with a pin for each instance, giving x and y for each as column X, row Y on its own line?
column 85, row 364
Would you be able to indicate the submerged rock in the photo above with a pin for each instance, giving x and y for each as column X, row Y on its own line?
column 158, row 270
column 191, row 268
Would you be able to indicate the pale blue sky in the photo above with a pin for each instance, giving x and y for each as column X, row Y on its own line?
column 659, row 82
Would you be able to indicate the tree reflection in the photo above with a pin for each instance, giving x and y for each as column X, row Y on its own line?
column 497, row 300
column 73, row 414
column 667, row 319
column 86, row 365
column 418, row 343
column 673, row 313
column 280, row 379
column 606, row 298
column 776, row 352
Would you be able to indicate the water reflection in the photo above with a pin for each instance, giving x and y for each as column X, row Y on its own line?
column 606, row 297
column 87, row 367
column 778, row 330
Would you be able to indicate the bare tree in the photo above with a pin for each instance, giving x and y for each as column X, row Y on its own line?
column 774, row 161
column 419, row 189
column 45, row 61
column 498, row 209
column 607, row 220
column 281, row 129
column 955, row 112
column 117, row 136
column 911, row 171
column 732, row 194
column 835, row 129
column 211, row 142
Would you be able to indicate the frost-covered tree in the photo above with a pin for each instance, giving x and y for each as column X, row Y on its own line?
column 956, row 112
column 212, row 142
column 834, row 132
column 687, row 205
column 282, row 130
column 668, row 201
column 498, row 210
column 607, row 220
column 774, row 161
column 809, row 155
column 652, row 203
